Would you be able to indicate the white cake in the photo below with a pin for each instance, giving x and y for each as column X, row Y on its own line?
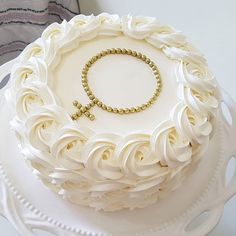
column 115, row 161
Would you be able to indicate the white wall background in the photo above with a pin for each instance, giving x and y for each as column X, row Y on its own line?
column 211, row 26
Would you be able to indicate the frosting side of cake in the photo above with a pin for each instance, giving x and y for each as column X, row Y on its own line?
column 126, row 167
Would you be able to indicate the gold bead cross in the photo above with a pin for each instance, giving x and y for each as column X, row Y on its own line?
column 82, row 110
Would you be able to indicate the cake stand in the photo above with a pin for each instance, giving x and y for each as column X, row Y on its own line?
column 31, row 207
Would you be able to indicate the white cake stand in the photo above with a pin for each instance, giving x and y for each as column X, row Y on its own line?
column 31, row 207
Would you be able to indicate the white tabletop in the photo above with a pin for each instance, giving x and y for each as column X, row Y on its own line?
column 211, row 26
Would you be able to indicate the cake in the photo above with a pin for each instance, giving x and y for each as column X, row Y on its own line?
column 112, row 112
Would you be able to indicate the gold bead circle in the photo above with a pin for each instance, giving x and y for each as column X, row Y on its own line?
column 95, row 101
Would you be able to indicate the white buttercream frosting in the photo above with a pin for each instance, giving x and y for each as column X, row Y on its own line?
column 32, row 96
column 27, row 71
column 109, row 24
column 43, row 124
column 105, row 170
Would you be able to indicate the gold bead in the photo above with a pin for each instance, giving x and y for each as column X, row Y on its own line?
column 134, row 53
column 152, row 101
column 151, row 63
column 104, row 107
column 78, row 113
column 115, row 110
column 154, row 98
column 95, row 58
column 127, row 110
column 139, row 55
column 147, row 60
column 99, row 103
column 84, row 80
column 118, row 51
column 109, row 109
column 143, row 107
column 91, row 97
column 92, row 103
column 153, row 67
column 121, row 111
column 132, row 109
column 91, row 117
column 75, row 103
column 124, row 51
column 87, row 113
column 129, row 51
column 88, row 106
column 86, row 88
column 95, row 100
column 83, row 109
column 74, row 117
column 113, row 50
column 79, row 105
column 144, row 57
column 137, row 109
column 104, row 53
column 86, row 69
